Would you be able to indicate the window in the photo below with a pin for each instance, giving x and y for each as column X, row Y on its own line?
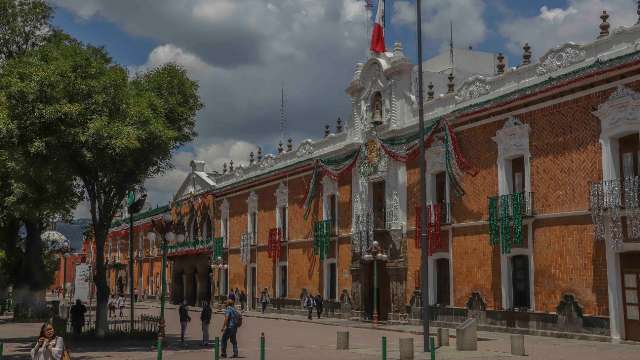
column 333, row 213
column 282, row 211
column 209, row 228
column 253, row 218
column 520, row 278
column 441, row 188
column 379, row 204
column 517, row 175
column 331, row 281
column 629, row 148
column 282, row 280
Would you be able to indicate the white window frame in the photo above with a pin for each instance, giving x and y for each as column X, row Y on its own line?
column 513, row 142
column 326, row 290
column 252, row 208
column 329, row 188
column 282, row 201
column 279, row 279
column 224, row 225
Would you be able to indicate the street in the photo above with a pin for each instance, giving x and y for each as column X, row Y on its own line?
column 292, row 337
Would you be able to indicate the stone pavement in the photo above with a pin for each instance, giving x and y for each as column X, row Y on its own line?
column 294, row 337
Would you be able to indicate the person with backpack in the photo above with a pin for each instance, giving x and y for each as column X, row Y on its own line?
column 264, row 299
column 319, row 305
column 232, row 321
column 309, row 304
column 205, row 317
column 183, row 312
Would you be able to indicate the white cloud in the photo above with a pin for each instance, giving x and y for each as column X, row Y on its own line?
column 578, row 22
column 467, row 17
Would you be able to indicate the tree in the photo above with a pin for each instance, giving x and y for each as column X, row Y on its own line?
column 33, row 190
column 113, row 131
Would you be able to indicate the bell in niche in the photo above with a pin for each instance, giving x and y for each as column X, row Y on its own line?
column 376, row 118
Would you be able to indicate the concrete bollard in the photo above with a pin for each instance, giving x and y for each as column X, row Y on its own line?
column 517, row 345
column 406, row 349
column 467, row 335
column 343, row 340
column 443, row 336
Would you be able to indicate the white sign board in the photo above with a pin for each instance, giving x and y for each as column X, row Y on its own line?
column 82, row 282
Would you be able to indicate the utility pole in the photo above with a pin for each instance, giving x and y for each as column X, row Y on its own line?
column 424, row 241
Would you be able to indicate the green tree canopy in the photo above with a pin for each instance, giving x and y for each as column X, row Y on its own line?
column 111, row 131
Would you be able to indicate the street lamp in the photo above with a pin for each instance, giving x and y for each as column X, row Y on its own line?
column 164, row 229
column 375, row 254
column 219, row 264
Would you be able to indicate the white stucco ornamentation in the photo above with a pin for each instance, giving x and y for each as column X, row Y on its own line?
column 620, row 112
column 560, row 57
column 512, row 139
column 282, row 195
column 473, row 88
column 252, row 202
column 268, row 161
column 224, row 209
column 305, row 148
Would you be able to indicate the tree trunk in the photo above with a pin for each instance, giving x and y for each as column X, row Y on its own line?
column 33, row 268
column 102, row 291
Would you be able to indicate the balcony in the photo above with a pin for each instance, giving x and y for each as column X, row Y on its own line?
column 509, row 200
column 610, row 202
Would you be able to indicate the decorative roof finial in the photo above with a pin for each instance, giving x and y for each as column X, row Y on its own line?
column 430, row 93
column 251, row 158
column 397, row 49
column 224, row 168
column 339, row 126
column 604, row 26
column 289, row 144
column 326, row 130
column 501, row 65
column 638, row 12
column 451, row 85
column 280, row 148
column 526, row 55
column 231, row 166
column 259, row 154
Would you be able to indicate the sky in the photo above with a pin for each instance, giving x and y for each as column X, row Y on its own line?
column 242, row 52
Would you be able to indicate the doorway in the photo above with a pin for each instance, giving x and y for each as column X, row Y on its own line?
column 384, row 298
column 253, row 287
column 442, row 282
column 630, row 263
column 520, row 281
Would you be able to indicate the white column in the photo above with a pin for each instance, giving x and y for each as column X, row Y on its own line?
column 616, row 320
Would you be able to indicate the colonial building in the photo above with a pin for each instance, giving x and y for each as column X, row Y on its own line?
column 532, row 178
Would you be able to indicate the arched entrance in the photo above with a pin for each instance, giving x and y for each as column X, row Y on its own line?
column 384, row 297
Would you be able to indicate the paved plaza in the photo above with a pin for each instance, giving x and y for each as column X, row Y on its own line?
column 293, row 337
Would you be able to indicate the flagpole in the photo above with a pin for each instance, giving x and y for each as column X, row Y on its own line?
column 424, row 241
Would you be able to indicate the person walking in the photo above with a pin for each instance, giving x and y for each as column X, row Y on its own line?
column 205, row 318
column 183, row 312
column 264, row 299
column 243, row 300
column 232, row 321
column 77, row 316
column 49, row 346
column 231, row 296
column 120, row 303
column 309, row 304
column 319, row 305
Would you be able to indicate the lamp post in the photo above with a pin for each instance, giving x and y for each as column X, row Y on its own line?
column 375, row 254
column 219, row 264
column 134, row 206
column 424, row 241
column 164, row 229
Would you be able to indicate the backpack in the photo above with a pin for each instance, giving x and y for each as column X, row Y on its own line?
column 238, row 318
column 65, row 354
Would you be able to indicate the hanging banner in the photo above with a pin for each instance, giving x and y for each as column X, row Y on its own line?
column 321, row 238
column 275, row 243
column 245, row 248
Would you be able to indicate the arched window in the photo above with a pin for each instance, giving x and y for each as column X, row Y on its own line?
column 376, row 108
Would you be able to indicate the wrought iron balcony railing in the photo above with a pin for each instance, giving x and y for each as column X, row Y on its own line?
column 509, row 202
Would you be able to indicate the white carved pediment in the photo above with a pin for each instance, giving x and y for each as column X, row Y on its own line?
column 282, row 195
column 224, row 208
column 305, row 148
column 252, row 202
column 513, row 138
column 329, row 186
column 435, row 157
column 561, row 57
column 473, row 88
column 621, row 110
column 268, row 161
